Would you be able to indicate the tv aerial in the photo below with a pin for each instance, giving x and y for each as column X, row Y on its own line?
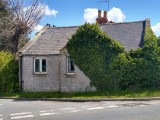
column 105, row 1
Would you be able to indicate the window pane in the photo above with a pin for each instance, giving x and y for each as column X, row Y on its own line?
column 37, row 68
column 69, row 69
column 43, row 65
column 70, row 66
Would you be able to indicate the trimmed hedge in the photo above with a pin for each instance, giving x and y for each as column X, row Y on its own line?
column 8, row 73
column 93, row 51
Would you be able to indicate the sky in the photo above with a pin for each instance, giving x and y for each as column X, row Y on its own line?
column 77, row 12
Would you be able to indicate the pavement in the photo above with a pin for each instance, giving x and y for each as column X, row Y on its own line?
column 83, row 100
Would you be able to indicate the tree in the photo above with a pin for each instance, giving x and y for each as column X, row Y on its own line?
column 25, row 17
column 4, row 10
column 5, row 25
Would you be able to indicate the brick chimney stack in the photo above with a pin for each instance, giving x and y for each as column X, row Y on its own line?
column 100, row 19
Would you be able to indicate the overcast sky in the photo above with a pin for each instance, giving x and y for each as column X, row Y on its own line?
column 77, row 12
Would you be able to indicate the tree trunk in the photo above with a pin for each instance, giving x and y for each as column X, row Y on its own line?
column 15, row 40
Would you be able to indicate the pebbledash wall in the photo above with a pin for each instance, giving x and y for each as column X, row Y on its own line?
column 56, row 78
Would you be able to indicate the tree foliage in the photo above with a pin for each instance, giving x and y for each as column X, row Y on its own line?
column 6, row 27
column 4, row 9
column 8, row 73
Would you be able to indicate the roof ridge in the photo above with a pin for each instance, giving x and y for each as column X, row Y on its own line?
column 64, row 27
column 125, row 22
column 102, row 24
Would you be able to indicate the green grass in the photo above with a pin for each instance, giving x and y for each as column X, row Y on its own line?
column 86, row 95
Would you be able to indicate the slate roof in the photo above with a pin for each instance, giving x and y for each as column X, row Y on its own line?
column 51, row 40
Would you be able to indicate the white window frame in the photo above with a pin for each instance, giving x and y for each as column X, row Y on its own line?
column 40, row 66
column 70, row 73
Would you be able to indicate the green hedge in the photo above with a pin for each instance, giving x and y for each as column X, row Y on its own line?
column 8, row 73
column 138, row 69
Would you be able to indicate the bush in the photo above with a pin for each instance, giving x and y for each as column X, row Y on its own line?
column 134, row 73
column 8, row 72
column 138, row 69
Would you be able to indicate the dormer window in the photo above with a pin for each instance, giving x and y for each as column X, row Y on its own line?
column 70, row 66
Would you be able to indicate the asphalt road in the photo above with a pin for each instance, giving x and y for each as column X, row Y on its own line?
column 51, row 110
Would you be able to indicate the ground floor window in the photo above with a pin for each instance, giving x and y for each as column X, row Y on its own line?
column 70, row 66
column 40, row 66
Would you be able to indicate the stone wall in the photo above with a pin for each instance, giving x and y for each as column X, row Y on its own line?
column 75, row 82
column 40, row 82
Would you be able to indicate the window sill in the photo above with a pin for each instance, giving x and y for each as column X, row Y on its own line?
column 40, row 73
column 71, row 73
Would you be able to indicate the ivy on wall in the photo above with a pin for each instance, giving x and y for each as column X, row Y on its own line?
column 93, row 51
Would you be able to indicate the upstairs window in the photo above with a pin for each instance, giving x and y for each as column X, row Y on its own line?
column 70, row 66
column 40, row 66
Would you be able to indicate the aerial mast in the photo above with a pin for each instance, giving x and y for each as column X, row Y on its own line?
column 106, row 1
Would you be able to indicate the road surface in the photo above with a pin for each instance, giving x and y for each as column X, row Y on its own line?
column 11, row 109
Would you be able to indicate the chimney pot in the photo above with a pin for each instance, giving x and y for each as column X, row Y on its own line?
column 105, row 14
column 99, row 13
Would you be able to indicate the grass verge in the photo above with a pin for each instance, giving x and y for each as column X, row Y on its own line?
column 86, row 95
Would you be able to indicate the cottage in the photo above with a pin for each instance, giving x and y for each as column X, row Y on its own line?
column 45, row 64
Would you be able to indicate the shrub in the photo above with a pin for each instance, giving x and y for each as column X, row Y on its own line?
column 8, row 72
column 138, row 69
